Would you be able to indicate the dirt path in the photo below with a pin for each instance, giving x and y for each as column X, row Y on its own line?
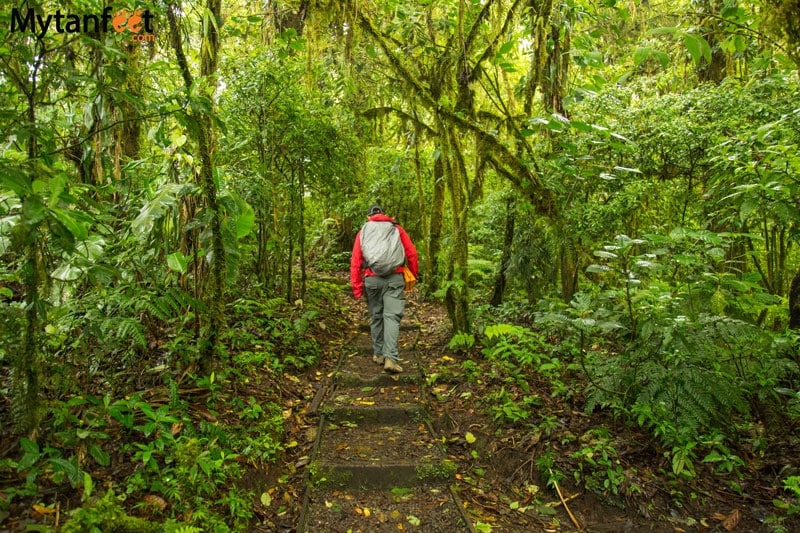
column 377, row 466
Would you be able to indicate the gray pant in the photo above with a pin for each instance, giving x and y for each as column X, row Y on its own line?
column 386, row 302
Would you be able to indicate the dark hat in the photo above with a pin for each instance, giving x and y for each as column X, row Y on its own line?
column 374, row 210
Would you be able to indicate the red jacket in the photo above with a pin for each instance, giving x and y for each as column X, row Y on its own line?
column 357, row 260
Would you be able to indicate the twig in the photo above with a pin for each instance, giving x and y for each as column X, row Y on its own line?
column 564, row 503
column 567, row 499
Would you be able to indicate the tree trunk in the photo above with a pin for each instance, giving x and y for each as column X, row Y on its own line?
column 508, row 241
column 423, row 205
column 569, row 271
column 27, row 236
column 457, row 295
column 794, row 302
column 434, row 241
column 205, row 146
column 302, row 228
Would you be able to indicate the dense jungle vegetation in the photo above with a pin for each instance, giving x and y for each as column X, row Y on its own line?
column 603, row 192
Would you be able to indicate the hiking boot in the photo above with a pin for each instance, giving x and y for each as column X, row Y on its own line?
column 391, row 366
column 377, row 359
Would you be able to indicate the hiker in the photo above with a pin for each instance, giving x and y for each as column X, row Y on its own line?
column 381, row 250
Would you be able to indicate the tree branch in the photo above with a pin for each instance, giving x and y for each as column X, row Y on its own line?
column 518, row 173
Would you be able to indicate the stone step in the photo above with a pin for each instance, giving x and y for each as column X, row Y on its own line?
column 404, row 326
column 375, row 377
column 385, row 414
column 428, row 509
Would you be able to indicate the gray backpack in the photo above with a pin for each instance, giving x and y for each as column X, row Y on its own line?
column 381, row 247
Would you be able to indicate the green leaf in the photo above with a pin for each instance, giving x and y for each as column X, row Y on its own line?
column 641, row 54
column 73, row 472
column 698, row 47
column 16, row 180
column 99, row 455
column 266, row 499
column 581, row 126
column 627, row 169
column 177, row 262
column 28, row 446
column 469, row 437
column 748, row 206
column 57, row 184
column 33, row 210
column 245, row 221
column 506, row 47
column 78, row 230
column 604, row 254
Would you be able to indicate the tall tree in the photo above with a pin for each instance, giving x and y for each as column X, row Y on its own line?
column 203, row 130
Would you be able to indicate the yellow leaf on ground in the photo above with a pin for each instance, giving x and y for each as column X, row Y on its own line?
column 41, row 509
column 733, row 520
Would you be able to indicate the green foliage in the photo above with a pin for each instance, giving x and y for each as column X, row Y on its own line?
column 106, row 514
column 274, row 333
column 598, row 467
column 684, row 372
column 462, row 342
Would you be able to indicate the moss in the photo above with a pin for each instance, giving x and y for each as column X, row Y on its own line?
column 107, row 515
column 328, row 477
column 436, row 471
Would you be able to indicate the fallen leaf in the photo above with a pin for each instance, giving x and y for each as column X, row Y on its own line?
column 470, row 438
column 41, row 509
column 733, row 520
column 266, row 499
column 154, row 502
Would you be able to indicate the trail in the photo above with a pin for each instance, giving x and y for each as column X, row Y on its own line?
column 377, row 464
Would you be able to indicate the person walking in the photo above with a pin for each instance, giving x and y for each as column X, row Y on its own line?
column 381, row 249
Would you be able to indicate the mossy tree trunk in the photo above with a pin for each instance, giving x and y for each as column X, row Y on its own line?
column 27, row 237
column 505, row 261
column 204, row 136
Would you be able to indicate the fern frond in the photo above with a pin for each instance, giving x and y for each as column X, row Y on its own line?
column 131, row 330
column 169, row 305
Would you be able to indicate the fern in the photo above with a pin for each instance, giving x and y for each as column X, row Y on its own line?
column 683, row 378
column 169, row 305
column 695, row 398
column 129, row 329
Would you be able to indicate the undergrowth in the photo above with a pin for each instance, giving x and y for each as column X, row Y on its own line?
column 169, row 456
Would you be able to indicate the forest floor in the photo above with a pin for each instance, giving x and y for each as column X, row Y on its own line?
column 554, row 469
column 500, row 479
